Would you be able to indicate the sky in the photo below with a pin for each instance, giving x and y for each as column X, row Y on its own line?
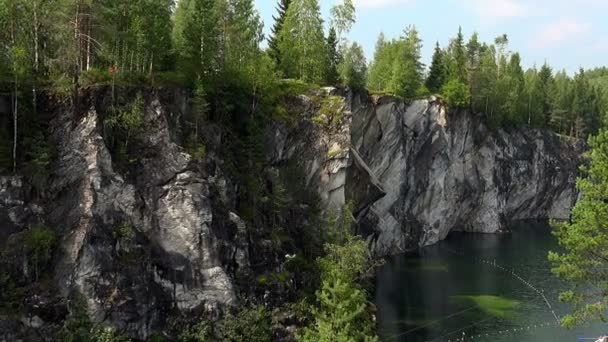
column 568, row 34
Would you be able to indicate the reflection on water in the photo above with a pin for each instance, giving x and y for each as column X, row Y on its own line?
column 480, row 287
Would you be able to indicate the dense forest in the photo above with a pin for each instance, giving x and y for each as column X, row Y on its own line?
column 54, row 50
column 214, row 46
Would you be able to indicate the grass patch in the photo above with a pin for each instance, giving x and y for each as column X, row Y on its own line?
column 496, row 306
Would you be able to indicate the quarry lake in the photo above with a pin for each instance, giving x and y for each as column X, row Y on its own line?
column 478, row 287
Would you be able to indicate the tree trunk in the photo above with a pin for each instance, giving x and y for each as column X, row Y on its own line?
column 15, row 126
column 88, row 46
column 15, row 102
column 36, row 56
column 151, row 64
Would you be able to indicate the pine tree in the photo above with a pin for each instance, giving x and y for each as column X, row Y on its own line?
column 279, row 19
column 437, row 72
column 458, row 65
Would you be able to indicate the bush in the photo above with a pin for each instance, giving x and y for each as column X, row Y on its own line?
column 95, row 77
column 202, row 332
column 252, row 324
column 456, row 94
column 198, row 151
column 40, row 241
column 124, row 231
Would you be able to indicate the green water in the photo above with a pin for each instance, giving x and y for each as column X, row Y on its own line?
column 468, row 287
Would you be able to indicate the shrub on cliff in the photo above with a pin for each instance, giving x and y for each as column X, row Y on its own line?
column 456, row 94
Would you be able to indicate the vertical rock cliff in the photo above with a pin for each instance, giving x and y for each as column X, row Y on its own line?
column 445, row 171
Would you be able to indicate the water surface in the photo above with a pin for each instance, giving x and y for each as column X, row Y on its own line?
column 478, row 287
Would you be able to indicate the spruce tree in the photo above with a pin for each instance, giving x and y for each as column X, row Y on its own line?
column 458, row 65
column 437, row 72
column 273, row 40
column 334, row 56
column 545, row 76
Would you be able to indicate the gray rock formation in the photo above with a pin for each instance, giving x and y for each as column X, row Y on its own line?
column 182, row 246
column 416, row 172
column 444, row 172
column 16, row 212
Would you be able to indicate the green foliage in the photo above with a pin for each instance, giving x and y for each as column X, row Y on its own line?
column 353, row 68
column 250, row 324
column 108, row 335
column 302, row 43
column 129, row 120
column 397, row 67
column 126, row 123
column 342, row 312
column 330, row 114
column 438, row 71
column 198, row 151
column 273, row 278
column 77, row 327
column 585, row 242
column 40, row 241
column 456, row 94
column 334, row 57
column 96, row 76
column 457, row 59
column 124, row 231
column 201, row 332
column 343, row 17
column 273, row 43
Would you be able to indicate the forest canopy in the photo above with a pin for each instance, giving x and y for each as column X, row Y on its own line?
column 214, row 47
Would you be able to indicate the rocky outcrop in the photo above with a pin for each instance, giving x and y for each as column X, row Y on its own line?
column 415, row 171
column 137, row 248
column 447, row 171
column 17, row 211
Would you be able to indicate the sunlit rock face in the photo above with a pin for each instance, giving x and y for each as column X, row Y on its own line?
column 182, row 241
column 416, row 171
column 445, row 171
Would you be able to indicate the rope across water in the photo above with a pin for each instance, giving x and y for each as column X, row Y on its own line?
column 464, row 336
column 511, row 272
